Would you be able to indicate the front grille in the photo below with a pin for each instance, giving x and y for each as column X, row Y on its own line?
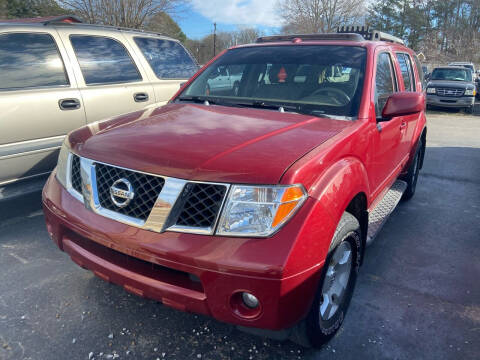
column 146, row 189
column 76, row 175
column 202, row 204
column 450, row 92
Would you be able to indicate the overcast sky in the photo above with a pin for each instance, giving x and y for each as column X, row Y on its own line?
column 198, row 20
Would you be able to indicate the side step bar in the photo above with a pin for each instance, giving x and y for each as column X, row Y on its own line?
column 379, row 215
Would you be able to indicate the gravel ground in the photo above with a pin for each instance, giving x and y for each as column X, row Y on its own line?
column 417, row 296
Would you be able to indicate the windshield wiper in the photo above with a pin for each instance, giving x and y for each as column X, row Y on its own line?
column 266, row 105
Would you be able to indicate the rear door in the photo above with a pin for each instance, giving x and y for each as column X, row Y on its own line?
column 167, row 63
column 39, row 101
column 110, row 80
column 409, row 83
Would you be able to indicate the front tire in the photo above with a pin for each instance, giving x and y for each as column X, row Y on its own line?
column 335, row 290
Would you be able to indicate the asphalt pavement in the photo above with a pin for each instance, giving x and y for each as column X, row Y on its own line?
column 417, row 295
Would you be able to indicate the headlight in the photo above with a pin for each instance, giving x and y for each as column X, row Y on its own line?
column 62, row 165
column 470, row 92
column 259, row 210
column 431, row 90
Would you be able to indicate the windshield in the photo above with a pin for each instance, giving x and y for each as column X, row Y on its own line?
column 313, row 79
column 452, row 74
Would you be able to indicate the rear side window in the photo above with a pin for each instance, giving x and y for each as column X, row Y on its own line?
column 104, row 60
column 29, row 61
column 420, row 71
column 168, row 59
column 385, row 83
column 407, row 71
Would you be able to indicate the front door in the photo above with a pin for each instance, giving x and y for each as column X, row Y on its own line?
column 110, row 80
column 39, row 102
column 388, row 135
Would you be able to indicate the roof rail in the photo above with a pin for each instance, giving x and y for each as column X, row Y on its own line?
column 47, row 20
column 369, row 34
column 301, row 37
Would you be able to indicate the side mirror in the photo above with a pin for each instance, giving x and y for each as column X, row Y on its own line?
column 403, row 103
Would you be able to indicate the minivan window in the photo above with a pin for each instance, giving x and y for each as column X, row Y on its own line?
column 168, row 59
column 385, row 84
column 406, row 69
column 104, row 60
column 320, row 80
column 29, row 61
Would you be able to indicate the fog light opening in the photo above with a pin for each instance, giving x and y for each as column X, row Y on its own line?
column 249, row 300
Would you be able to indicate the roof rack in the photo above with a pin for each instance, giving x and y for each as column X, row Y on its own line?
column 67, row 20
column 300, row 37
column 368, row 34
column 348, row 33
column 63, row 19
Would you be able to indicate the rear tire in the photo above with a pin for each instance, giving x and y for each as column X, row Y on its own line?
column 335, row 289
column 412, row 175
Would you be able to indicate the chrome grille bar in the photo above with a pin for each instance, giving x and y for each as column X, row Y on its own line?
column 165, row 211
column 455, row 92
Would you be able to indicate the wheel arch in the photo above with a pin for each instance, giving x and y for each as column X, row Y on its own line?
column 342, row 187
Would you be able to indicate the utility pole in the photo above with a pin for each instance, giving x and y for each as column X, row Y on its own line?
column 214, row 39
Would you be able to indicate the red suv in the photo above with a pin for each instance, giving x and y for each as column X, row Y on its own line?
column 253, row 200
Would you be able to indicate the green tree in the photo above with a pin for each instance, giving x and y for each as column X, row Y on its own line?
column 165, row 25
column 3, row 9
column 32, row 8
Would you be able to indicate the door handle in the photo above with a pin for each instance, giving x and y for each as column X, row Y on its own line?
column 69, row 104
column 140, row 97
column 403, row 125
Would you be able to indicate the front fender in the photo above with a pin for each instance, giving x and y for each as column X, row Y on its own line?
column 332, row 192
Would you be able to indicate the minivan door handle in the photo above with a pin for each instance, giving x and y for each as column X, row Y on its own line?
column 69, row 104
column 140, row 97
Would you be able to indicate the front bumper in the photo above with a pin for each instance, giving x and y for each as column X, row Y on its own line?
column 450, row 101
column 197, row 273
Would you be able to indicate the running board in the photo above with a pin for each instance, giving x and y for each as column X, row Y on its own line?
column 379, row 215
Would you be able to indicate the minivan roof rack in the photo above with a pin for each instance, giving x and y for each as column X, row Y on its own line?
column 47, row 20
column 369, row 34
column 344, row 33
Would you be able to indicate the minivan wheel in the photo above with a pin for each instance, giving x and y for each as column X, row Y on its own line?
column 335, row 290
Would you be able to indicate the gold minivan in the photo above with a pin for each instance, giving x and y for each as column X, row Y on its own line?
column 58, row 74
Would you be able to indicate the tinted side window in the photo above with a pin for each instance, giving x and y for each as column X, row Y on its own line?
column 406, row 73
column 168, row 59
column 420, row 71
column 104, row 60
column 385, row 84
column 30, row 60
column 412, row 72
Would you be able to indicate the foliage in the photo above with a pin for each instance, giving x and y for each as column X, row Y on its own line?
column 203, row 49
column 443, row 30
column 125, row 13
column 164, row 24
column 31, row 8
column 319, row 16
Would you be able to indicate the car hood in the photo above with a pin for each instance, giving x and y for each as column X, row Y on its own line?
column 206, row 143
column 452, row 84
